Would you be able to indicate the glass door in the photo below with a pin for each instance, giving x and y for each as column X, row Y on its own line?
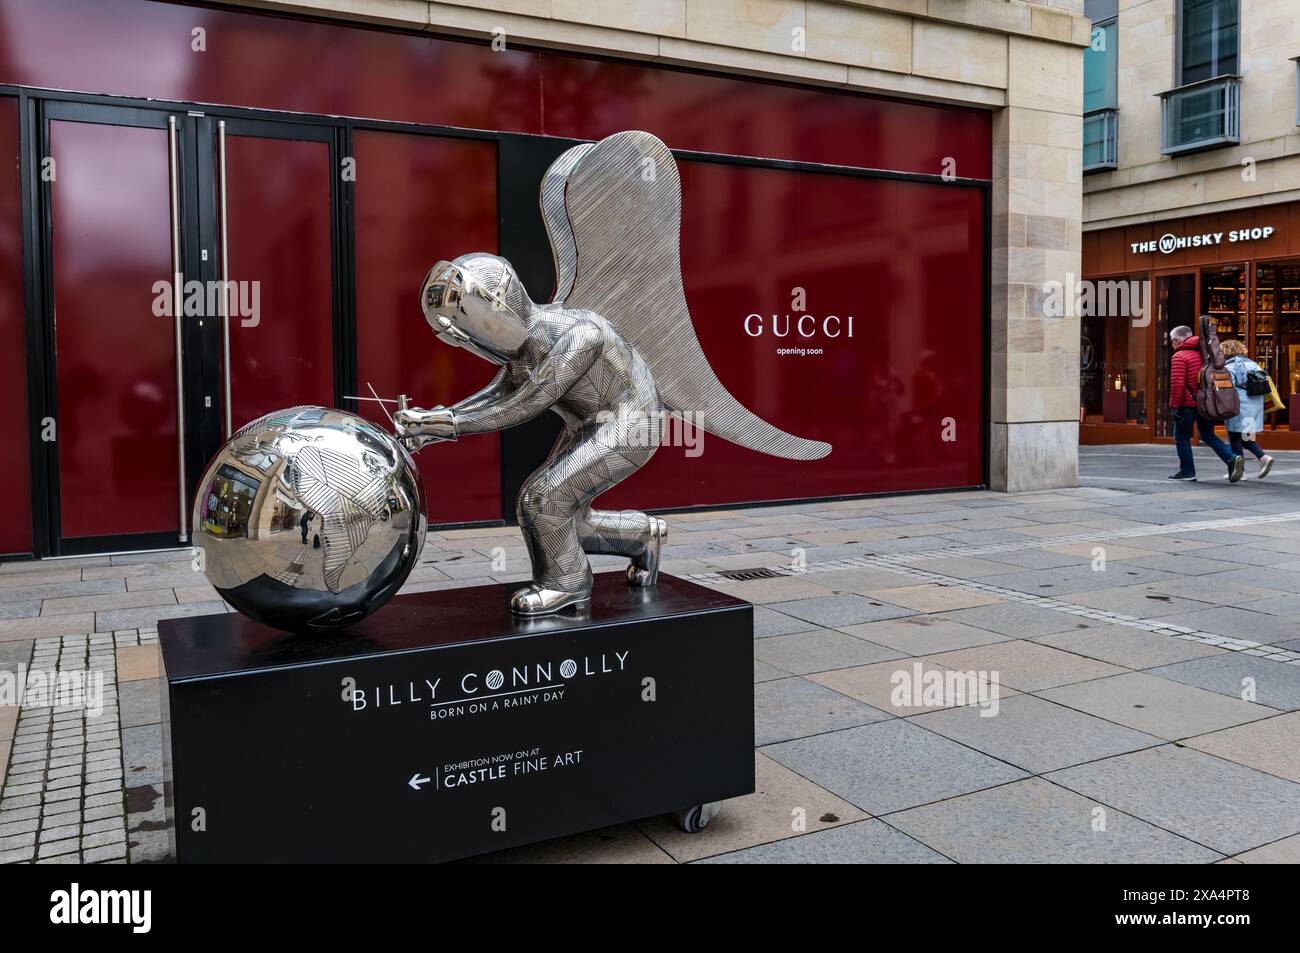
column 193, row 276
column 118, row 214
column 273, row 229
column 1175, row 307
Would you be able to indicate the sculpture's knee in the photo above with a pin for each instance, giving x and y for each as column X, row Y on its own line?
column 539, row 495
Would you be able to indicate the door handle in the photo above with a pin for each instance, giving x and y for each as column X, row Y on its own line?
column 225, row 277
column 178, row 281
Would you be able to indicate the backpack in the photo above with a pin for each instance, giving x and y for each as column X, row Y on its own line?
column 1258, row 384
column 1216, row 395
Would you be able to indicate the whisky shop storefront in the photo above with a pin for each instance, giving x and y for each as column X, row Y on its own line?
column 1241, row 267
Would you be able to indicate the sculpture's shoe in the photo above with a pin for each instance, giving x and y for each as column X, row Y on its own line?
column 538, row 600
column 644, row 570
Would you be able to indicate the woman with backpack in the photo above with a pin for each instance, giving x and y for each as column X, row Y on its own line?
column 1252, row 385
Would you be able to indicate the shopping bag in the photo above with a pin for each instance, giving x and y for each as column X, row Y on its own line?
column 1273, row 401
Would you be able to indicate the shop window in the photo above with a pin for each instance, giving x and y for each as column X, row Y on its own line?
column 1113, row 359
column 1204, row 110
column 1223, row 297
column 1277, row 336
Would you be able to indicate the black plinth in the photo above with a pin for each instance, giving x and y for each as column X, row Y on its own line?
column 443, row 726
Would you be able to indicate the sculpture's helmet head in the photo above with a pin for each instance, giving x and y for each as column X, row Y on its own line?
column 477, row 302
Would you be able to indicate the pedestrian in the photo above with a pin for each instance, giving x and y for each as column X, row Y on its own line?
column 1243, row 427
column 1184, row 373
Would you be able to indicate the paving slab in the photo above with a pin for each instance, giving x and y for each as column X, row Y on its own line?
column 899, row 687
column 931, row 597
column 1026, row 666
column 1236, row 623
column 844, row 609
column 1039, row 558
column 1221, row 589
column 1037, row 822
column 1221, row 805
column 1157, row 706
column 115, row 619
column 769, row 622
column 622, row 844
column 1238, row 675
column 1068, row 580
column 891, row 766
column 140, row 702
column 1142, row 602
column 765, row 673
column 1035, row 734
column 1020, row 620
column 923, row 634
column 1284, row 851
column 807, row 652
column 861, row 581
column 1268, row 745
column 962, row 567
column 866, row 842
column 787, row 708
column 1128, row 646
column 138, row 662
column 783, row 805
column 764, row 591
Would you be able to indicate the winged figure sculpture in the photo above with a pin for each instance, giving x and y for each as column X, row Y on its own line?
column 610, row 354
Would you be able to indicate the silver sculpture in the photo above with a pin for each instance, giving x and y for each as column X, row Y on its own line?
column 611, row 352
column 309, row 518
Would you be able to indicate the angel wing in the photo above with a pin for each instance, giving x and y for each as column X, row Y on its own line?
column 556, row 219
column 613, row 215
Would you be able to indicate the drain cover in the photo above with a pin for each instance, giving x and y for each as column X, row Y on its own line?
column 745, row 575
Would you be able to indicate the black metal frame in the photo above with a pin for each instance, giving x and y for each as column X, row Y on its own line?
column 517, row 452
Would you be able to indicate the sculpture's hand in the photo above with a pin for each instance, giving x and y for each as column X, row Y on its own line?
column 418, row 427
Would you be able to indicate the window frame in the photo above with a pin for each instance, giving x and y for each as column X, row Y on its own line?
column 1179, row 21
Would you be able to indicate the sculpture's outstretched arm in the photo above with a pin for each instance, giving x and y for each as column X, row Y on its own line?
column 497, row 389
column 570, row 357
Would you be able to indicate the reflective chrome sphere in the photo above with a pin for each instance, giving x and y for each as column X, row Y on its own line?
column 310, row 518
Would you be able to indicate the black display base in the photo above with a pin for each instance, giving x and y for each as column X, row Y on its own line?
column 442, row 726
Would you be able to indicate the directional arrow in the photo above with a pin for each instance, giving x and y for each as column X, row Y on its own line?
column 416, row 781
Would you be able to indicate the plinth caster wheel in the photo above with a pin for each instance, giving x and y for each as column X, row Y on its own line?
column 695, row 819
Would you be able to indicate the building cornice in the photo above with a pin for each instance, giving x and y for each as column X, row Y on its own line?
column 895, row 47
column 1190, row 211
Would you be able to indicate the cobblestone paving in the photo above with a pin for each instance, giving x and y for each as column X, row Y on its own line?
column 1143, row 634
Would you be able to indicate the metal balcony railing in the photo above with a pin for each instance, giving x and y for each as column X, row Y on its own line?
column 1100, row 139
column 1201, row 115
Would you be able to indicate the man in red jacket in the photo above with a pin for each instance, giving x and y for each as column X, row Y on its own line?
column 1184, row 375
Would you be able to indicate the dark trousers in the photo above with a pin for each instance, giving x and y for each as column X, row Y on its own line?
column 1239, row 441
column 1186, row 419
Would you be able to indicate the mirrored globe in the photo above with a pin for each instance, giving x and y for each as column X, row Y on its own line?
column 309, row 518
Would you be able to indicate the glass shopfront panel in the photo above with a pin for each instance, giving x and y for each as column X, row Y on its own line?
column 1114, row 355
column 1175, row 307
column 1223, row 297
column 1277, row 336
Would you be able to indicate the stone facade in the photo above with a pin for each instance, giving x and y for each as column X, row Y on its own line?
column 1148, row 186
column 1021, row 59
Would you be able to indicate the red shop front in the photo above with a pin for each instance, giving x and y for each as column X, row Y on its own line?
column 837, row 279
